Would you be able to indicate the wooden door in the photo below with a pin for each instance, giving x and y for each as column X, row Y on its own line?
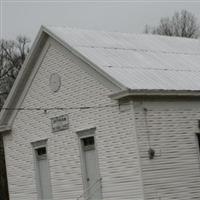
column 92, row 180
column 43, row 172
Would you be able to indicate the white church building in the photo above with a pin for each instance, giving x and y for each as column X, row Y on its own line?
column 99, row 115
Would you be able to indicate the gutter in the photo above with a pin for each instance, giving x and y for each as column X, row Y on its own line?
column 154, row 93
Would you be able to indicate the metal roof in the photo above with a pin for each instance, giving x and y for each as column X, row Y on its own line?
column 139, row 61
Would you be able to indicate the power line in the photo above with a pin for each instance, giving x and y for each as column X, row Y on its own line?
column 59, row 108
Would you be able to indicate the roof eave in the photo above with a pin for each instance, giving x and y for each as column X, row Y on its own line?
column 154, row 93
column 16, row 89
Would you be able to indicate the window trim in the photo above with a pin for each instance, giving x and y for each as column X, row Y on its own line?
column 197, row 138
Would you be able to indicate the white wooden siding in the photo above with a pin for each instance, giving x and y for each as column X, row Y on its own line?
column 115, row 137
column 174, row 173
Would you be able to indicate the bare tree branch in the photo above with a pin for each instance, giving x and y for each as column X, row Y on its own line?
column 182, row 24
column 12, row 55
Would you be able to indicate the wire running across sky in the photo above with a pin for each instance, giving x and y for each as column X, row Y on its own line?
column 59, row 108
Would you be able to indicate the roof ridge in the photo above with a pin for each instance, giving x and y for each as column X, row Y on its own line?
column 122, row 32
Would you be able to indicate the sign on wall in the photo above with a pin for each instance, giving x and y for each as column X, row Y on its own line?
column 60, row 123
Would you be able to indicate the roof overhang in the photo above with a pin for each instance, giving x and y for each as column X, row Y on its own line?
column 13, row 99
column 154, row 93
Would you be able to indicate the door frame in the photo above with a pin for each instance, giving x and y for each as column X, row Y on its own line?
column 36, row 145
column 90, row 132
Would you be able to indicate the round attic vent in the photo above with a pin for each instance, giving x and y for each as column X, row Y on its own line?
column 55, row 82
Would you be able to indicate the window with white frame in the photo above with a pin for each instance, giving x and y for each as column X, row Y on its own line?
column 198, row 140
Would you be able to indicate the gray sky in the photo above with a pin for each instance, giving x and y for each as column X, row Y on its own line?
column 26, row 16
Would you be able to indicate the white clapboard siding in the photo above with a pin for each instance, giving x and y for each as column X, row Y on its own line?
column 174, row 173
column 115, row 136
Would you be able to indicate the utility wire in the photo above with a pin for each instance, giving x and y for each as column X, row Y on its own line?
column 147, row 127
column 59, row 108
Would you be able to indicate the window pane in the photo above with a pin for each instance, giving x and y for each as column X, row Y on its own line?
column 198, row 138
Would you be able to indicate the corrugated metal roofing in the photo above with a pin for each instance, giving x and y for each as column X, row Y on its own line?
column 139, row 61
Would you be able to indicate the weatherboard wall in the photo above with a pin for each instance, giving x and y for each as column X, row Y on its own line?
column 115, row 136
column 174, row 173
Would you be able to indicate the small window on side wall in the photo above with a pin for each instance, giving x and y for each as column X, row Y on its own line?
column 198, row 140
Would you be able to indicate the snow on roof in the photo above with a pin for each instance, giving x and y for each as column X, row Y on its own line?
column 139, row 61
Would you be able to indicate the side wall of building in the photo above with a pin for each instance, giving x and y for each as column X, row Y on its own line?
column 86, row 102
column 169, row 127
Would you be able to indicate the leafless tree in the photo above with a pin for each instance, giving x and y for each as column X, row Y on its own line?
column 12, row 55
column 182, row 24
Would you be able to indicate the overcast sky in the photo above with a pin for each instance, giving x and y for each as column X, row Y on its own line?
column 26, row 16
